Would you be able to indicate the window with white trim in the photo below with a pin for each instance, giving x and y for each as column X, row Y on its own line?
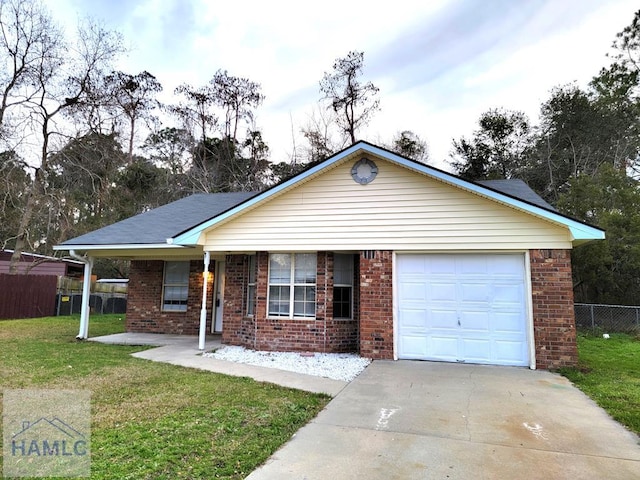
column 251, row 286
column 175, row 286
column 292, row 285
column 342, row 286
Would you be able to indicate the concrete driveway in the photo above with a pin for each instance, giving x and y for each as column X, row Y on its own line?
column 405, row 420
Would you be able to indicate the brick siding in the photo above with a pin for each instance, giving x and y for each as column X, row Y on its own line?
column 553, row 315
column 376, row 304
column 237, row 327
column 320, row 334
column 144, row 305
column 370, row 332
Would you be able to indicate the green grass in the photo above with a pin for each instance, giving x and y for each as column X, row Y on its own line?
column 609, row 372
column 153, row 420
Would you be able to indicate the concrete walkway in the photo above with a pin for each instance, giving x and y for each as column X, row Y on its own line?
column 183, row 350
column 406, row 420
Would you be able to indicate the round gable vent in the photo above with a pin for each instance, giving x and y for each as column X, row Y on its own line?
column 364, row 171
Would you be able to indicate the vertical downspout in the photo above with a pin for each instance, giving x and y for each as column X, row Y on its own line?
column 203, row 310
column 83, row 332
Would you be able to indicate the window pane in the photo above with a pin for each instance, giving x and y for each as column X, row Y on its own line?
column 304, row 301
column 175, row 292
column 280, row 268
column 305, row 268
column 176, row 272
column 279, row 300
column 342, row 269
column 251, row 285
column 342, row 302
column 252, row 269
column 251, row 299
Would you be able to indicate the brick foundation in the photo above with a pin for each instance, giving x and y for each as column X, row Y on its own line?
column 144, row 304
column 553, row 315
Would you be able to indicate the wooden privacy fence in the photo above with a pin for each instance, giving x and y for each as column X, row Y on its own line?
column 27, row 296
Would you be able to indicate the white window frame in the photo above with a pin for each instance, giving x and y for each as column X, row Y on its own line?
column 292, row 285
column 177, row 307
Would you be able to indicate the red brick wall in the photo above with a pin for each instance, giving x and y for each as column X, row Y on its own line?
column 237, row 328
column 553, row 315
column 376, row 304
column 144, row 303
column 321, row 334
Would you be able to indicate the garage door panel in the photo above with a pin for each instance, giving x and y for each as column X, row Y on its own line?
column 477, row 321
column 414, row 318
column 508, row 322
column 440, row 319
column 439, row 291
column 475, row 291
column 473, row 265
column 475, row 350
column 412, row 264
column 508, row 293
column 510, row 352
column 413, row 291
column 436, row 265
column 414, row 346
column 506, row 265
column 444, row 347
column 463, row 307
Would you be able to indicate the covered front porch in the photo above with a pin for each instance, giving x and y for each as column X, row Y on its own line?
column 172, row 295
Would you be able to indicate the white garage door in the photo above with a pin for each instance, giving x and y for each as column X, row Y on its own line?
column 462, row 308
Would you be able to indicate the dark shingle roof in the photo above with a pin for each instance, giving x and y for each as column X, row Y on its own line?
column 517, row 189
column 156, row 225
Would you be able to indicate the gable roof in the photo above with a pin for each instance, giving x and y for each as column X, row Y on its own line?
column 180, row 223
column 503, row 191
column 156, row 226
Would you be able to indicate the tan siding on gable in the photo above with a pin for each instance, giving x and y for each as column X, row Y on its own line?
column 399, row 210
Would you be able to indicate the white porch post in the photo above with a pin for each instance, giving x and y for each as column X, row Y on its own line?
column 203, row 310
column 83, row 332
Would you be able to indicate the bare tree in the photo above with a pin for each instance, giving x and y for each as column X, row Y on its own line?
column 352, row 101
column 29, row 41
column 61, row 80
column 222, row 160
column 134, row 97
column 195, row 111
column 238, row 97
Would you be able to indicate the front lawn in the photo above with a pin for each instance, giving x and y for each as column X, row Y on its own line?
column 153, row 420
column 609, row 372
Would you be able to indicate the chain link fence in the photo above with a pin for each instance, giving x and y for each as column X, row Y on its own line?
column 607, row 318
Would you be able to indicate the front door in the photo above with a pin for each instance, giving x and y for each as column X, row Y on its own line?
column 218, row 297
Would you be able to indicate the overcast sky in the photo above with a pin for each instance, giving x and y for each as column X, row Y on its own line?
column 438, row 63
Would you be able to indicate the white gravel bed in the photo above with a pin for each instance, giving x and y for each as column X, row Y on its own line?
column 339, row 366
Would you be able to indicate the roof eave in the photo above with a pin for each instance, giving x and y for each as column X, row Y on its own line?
column 119, row 246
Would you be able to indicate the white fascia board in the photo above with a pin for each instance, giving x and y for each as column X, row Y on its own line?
column 128, row 246
column 192, row 236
